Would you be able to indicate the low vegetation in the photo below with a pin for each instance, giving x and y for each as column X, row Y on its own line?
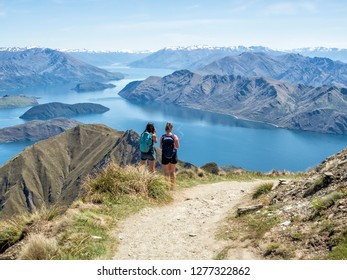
column 85, row 230
column 262, row 189
column 302, row 218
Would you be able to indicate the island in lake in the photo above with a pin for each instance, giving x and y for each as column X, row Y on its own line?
column 56, row 109
column 92, row 86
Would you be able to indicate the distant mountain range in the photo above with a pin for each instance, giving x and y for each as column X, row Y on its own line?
column 177, row 58
column 321, row 109
column 293, row 68
column 192, row 58
column 37, row 66
column 104, row 58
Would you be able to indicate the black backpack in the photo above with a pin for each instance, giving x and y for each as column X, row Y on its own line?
column 168, row 146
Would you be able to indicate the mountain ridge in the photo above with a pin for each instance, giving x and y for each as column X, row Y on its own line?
column 293, row 68
column 321, row 109
column 51, row 171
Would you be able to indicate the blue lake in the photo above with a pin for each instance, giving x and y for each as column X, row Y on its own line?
column 204, row 136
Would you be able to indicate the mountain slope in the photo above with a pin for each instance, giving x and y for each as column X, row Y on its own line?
column 292, row 68
column 37, row 67
column 51, row 171
column 321, row 109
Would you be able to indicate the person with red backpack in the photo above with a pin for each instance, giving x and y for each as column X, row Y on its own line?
column 169, row 144
column 147, row 140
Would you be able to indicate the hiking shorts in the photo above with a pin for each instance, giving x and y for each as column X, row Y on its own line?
column 148, row 156
column 172, row 160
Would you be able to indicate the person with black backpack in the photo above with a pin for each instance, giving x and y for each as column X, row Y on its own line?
column 169, row 144
column 147, row 140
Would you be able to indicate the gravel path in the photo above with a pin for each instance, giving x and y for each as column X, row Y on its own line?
column 186, row 228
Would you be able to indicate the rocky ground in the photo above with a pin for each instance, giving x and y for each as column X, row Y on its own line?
column 304, row 218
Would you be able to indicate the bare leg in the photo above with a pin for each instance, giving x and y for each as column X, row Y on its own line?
column 151, row 166
column 172, row 171
column 167, row 172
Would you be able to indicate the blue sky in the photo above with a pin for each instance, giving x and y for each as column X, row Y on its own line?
column 155, row 24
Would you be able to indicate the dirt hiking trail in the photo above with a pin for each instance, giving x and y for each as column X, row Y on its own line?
column 186, row 228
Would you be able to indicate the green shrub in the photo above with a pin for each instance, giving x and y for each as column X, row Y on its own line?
column 262, row 189
column 324, row 203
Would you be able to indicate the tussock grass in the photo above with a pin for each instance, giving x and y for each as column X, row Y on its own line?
column 11, row 232
column 134, row 180
column 16, row 228
column 39, row 247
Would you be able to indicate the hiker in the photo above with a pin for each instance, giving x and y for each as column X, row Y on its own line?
column 147, row 140
column 169, row 144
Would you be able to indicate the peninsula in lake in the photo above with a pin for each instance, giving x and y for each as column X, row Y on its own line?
column 36, row 130
column 17, row 101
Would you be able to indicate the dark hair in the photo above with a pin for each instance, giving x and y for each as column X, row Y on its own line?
column 150, row 128
column 168, row 126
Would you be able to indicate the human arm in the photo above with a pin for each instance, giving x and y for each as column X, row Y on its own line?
column 154, row 138
column 177, row 143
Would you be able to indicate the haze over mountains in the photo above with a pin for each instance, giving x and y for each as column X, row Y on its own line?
column 195, row 57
